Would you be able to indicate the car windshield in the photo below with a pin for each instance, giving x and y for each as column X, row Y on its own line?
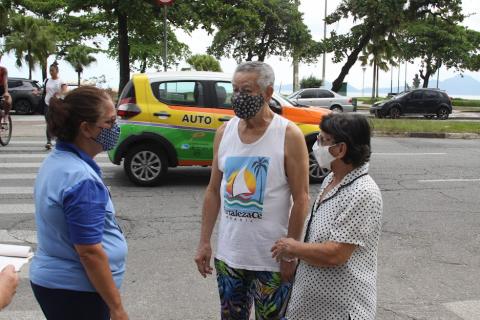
column 284, row 102
column 401, row 94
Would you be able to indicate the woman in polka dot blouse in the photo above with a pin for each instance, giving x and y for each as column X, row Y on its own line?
column 337, row 270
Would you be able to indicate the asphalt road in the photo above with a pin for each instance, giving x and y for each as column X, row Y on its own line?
column 429, row 255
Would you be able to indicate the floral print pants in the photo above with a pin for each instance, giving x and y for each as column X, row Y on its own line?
column 239, row 288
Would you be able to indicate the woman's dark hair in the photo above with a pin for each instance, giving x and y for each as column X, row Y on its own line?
column 353, row 130
column 54, row 65
column 64, row 116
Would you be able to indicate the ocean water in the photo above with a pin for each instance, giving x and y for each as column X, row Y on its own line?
column 462, row 96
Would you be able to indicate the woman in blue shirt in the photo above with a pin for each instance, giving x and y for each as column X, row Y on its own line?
column 80, row 260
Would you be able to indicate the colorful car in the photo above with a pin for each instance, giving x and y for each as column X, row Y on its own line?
column 169, row 119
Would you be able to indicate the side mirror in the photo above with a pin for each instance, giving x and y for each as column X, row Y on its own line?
column 275, row 107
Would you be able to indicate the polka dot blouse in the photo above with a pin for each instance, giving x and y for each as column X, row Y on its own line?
column 349, row 213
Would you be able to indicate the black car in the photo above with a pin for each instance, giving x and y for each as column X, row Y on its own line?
column 429, row 102
column 26, row 95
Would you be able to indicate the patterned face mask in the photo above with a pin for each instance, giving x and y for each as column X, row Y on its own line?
column 108, row 137
column 246, row 106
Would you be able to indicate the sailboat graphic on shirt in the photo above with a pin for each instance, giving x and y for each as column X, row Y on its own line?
column 245, row 187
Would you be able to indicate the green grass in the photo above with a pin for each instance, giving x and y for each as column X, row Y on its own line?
column 414, row 125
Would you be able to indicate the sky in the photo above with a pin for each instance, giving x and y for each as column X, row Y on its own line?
column 313, row 10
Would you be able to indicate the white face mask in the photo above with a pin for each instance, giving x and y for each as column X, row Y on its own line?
column 322, row 155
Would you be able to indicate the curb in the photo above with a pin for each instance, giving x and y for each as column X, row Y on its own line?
column 442, row 135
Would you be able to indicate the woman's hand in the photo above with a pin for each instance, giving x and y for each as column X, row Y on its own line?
column 284, row 249
column 8, row 285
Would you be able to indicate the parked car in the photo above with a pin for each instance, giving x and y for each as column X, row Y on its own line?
column 26, row 95
column 169, row 119
column 324, row 98
column 429, row 102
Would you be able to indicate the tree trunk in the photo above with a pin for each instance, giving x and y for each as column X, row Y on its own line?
column 296, row 84
column 44, row 65
column 376, row 86
column 426, row 78
column 123, row 50
column 78, row 73
column 352, row 58
column 143, row 65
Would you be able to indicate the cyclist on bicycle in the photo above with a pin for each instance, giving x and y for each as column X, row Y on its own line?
column 4, row 89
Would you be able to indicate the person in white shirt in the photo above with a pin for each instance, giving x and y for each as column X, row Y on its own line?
column 259, row 188
column 54, row 87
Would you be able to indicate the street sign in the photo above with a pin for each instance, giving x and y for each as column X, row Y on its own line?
column 164, row 2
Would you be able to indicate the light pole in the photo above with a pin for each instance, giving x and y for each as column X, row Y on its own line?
column 363, row 81
column 324, row 37
column 438, row 75
column 164, row 3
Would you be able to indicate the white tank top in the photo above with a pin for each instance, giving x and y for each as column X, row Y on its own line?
column 255, row 197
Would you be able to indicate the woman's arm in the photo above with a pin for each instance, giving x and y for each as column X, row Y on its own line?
column 95, row 261
column 325, row 254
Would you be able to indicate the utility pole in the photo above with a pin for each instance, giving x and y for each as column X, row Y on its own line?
column 363, row 81
column 324, row 37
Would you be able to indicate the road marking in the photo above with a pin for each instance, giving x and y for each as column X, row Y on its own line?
column 18, row 176
column 33, row 176
column 467, row 310
column 38, row 164
column 409, row 153
column 39, row 155
column 17, row 208
column 16, row 190
column 449, row 180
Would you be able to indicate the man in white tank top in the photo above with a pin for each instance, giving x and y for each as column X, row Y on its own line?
column 259, row 187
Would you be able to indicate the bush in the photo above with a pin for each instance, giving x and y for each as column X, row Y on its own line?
column 310, row 82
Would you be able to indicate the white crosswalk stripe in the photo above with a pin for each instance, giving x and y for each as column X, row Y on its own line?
column 467, row 310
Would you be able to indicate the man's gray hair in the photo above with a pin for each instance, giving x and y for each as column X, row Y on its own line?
column 266, row 77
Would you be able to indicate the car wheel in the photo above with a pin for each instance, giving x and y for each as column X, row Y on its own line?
column 394, row 113
column 442, row 113
column 146, row 165
column 315, row 172
column 22, row 106
column 336, row 109
column 378, row 115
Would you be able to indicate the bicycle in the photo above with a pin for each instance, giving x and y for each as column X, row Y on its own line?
column 5, row 124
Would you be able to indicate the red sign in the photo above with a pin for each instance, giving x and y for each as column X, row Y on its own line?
column 164, row 2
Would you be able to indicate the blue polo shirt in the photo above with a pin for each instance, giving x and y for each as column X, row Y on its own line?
column 73, row 206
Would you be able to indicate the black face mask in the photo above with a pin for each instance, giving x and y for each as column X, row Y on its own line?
column 246, row 106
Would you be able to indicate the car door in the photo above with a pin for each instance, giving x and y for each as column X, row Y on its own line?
column 431, row 101
column 308, row 97
column 325, row 98
column 182, row 107
column 414, row 102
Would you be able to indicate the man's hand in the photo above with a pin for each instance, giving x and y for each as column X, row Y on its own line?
column 202, row 259
column 287, row 270
column 284, row 252
column 8, row 285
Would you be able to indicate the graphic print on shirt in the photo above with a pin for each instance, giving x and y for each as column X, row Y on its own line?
column 245, row 188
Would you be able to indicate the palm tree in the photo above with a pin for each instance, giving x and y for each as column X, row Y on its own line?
column 23, row 40
column 258, row 166
column 79, row 57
